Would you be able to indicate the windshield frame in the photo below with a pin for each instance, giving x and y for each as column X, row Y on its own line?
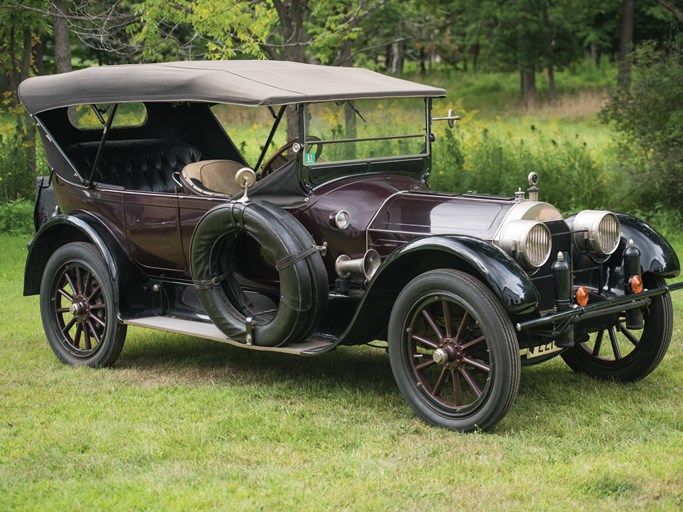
column 319, row 173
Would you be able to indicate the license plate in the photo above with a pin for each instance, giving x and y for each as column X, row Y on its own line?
column 542, row 350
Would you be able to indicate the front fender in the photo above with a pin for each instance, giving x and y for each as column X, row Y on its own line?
column 66, row 228
column 656, row 254
column 479, row 258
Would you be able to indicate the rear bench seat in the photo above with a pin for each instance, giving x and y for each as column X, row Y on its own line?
column 146, row 164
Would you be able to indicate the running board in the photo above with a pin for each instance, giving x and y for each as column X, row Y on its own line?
column 313, row 345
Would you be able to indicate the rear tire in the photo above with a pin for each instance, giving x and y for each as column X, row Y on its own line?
column 78, row 309
column 453, row 351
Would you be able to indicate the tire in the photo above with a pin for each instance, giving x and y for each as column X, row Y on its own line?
column 78, row 307
column 302, row 275
column 627, row 357
column 477, row 382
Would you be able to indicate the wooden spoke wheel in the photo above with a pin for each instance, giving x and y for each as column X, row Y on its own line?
column 623, row 354
column 453, row 351
column 77, row 307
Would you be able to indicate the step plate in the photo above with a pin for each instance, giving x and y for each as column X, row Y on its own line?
column 312, row 345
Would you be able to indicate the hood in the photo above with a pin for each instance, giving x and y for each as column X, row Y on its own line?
column 426, row 214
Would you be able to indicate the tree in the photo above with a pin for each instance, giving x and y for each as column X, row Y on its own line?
column 648, row 112
column 20, row 43
column 628, row 20
column 61, row 32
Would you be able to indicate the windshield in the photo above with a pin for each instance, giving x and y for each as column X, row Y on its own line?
column 351, row 133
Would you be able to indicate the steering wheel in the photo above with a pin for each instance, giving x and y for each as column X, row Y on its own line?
column 271, row 165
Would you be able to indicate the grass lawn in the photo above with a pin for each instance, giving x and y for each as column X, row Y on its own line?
column 185, row 424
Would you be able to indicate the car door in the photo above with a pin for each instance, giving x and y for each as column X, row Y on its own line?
column 153, row 231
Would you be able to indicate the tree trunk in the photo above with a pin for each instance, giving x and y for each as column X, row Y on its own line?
column 474, row 52
column 628, row 16
column 595, row 53
column 395, row 58
column 61, row 30
column 550, row 42
column 291, row 16
column 528, row 85
column 552, row 94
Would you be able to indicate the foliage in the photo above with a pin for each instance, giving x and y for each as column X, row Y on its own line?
column 495, row 162
column 217, row 28
column 17, row 178
column 16, row 217
column 649, row 116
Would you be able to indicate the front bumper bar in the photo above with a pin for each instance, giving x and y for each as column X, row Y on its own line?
column 607, row 307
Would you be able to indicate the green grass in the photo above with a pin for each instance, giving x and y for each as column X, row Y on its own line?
column 185, row 424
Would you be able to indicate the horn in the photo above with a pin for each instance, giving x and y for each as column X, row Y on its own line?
column 366, row 266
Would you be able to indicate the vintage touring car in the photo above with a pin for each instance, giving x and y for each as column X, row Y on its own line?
column 155, row 215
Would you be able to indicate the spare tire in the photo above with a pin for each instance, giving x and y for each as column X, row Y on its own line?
column 302, row 275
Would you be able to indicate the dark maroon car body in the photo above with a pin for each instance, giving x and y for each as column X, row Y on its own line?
column 377, row 241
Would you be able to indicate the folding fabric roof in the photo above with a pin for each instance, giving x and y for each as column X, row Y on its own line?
column 241, row 82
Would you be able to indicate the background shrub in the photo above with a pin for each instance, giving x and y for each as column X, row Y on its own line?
column 649, row 117
column 485, row 161
column 16, row 217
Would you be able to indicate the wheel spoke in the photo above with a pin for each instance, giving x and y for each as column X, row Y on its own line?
column 447, row 318
column 68, row 326
column 65, row 294
column 94, row 332
column 93, row 293
column 77, row 338
column 480, row 365
column 463, row 325
column 598, row 344
column 97, row 319
column 457, row 391
column 424, row 365
column 629, row 335
column 432, row 324
column 79, row 281
column 473, row 342
column 86, row 334
column 425, row 341
column 440, row 382
column 88, row 283
column 71, row 283
column 615, row 343
column 470, row 381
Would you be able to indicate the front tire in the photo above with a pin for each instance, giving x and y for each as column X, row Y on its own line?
column 78, row 309
column 620, row 354
column 453, row 351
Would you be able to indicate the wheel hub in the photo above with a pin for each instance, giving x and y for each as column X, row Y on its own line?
column 448, row 353
column 79, row 309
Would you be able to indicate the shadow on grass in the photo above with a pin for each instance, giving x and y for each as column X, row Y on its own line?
column 179, row 359
column 160, row 359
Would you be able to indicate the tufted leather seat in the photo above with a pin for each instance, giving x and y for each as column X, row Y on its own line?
column 146, row 164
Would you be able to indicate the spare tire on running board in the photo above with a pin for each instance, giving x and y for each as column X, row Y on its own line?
column 303, row 278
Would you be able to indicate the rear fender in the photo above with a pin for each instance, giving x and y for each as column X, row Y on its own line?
column 478, row 258
column 80, row 227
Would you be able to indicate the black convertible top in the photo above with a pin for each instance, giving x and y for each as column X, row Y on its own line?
column 242, row 82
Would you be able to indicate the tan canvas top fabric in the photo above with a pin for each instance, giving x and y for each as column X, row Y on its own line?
column 242, row 82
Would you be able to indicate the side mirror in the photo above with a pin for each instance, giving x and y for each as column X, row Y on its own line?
column 245, row 178
column 450, row 117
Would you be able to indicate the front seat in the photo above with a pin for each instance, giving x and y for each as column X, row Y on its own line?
column 212, row 177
